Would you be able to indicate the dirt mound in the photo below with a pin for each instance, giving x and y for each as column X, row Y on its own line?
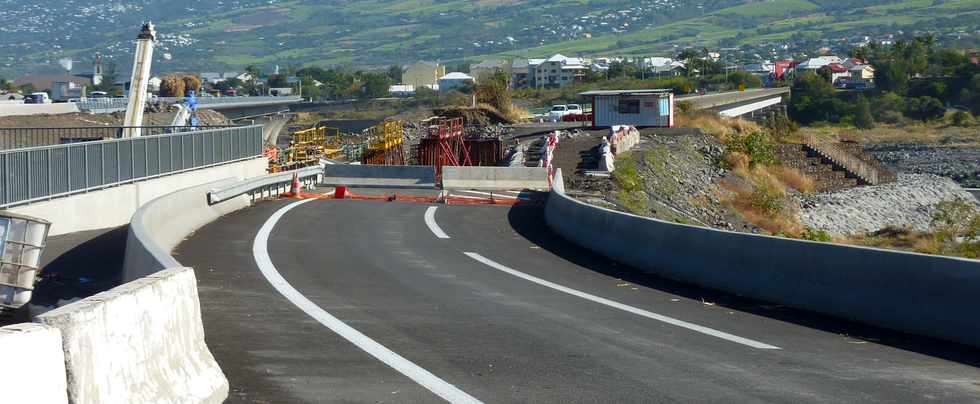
column 480, row 115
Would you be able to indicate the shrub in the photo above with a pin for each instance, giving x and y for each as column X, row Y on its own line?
column 924, row 108
column 862, row 114
column 815, row 235
column 172, row 86
column 963, row 119
column 757, row 145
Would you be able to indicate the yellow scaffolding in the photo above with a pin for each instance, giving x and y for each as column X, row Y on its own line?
column 306, row 148
column 385, row 144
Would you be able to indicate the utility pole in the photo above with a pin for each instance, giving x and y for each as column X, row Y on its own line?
column 140, row 80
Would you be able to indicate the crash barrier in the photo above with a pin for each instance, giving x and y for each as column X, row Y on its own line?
column 916, row 293
column 263, row 184
column 35, row 365
column 621, row 139
column 375, row 176
column 38, row 109
column 41, row 173
column 159, row 225
column 142, row 342
column 107, row 105
column 495, row 178
column 115, row 206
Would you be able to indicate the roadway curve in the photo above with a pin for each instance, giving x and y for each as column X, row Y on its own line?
column 500, row 337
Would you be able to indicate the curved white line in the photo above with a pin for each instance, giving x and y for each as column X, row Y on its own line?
column 421, row 376
column 624, row 307
column 430, row 220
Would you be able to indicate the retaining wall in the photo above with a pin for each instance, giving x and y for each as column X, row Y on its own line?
column 37, row 109
column 379, row 176
column 34, row 366
column 915, row 293
column 495, row 178
column 142, row 342
column 114, row 206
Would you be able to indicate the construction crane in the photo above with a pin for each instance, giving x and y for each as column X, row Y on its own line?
column 140, row 80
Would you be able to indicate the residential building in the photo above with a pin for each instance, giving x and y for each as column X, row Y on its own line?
column 558, row 71
column 662, row 67
column 838, row 72
column 401, row 90
column 215, row 78
column 863, row 72
column 521, row 72
column 454, row 81
column 487, row 67
column 423, row 73
column 816, row 63
column 45, row 82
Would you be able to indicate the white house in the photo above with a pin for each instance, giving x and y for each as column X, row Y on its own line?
column 558, row 71
column 455, row 80
column 818, row 62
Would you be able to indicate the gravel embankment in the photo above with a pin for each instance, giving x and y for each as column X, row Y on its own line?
column 908, row 202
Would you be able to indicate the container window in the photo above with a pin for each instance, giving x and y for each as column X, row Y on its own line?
column 629, row 106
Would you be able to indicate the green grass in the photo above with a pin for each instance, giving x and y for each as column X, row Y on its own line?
column 768, row 8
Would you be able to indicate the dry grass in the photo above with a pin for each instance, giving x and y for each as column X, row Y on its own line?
column 763, row 201
column 909, row 133
column 794, row 178
column 714, row 125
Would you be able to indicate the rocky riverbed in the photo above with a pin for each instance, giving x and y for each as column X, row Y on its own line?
column 906, row 203
column 961, row 163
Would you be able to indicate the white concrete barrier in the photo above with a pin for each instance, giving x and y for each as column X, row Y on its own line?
column 37, row 109
column 114, row 206
column 159, row 225
column 495, row 178
column 142, row 342
column 34, row 365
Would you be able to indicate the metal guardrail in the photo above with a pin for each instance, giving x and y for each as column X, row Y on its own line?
column 262, row 184
column 41, row 173
column 103, row 105
column 18, row 138
column 854, row 165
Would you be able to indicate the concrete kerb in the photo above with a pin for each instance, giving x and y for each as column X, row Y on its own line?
column 140, row 342
column 34, row 365
column 495, row 178
column 915, row 293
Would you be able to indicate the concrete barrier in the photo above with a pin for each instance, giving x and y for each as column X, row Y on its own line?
column 142, row 342
column 915, row 293
column 376, row 176
column 495, row 178
column 159, row 225
column 34, row 365
column 114, row 206
column 37, row 109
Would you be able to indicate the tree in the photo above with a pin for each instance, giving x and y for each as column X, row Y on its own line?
column 892, row 76
column 172, row 86
column 191, row 83
column 252, row 85
column 277, row 81
column 924, row 108
column 616, row 69
column 374, row 85
column 395, row 73
column 862, row 114
column 228, row 84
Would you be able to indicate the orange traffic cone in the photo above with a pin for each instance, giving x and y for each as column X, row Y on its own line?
column 294, row 187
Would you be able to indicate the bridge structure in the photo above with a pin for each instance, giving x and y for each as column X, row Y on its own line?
column 477, row 285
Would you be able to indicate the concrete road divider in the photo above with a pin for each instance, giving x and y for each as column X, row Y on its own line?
column 142, row 342
column 495, row 178
column 377, row 176
column 159, row 225
column 34, row 365
column 916, row 293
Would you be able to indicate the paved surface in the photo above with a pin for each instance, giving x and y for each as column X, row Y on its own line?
column 734, row 98
column 501, row 338
column 75, row 266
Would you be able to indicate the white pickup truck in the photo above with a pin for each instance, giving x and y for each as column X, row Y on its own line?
column 559, row 111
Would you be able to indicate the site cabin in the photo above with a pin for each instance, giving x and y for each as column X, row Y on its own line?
column 640, row 108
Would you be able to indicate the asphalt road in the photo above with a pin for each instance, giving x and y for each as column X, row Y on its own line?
column 504, row 311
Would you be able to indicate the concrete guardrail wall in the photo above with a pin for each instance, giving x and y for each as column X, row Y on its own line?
column 137, row 343
column 34, row 365
column 495, row 178
column 379, row 176
column 916, row 293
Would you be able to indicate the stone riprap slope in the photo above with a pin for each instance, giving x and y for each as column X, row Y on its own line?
column 908, row 202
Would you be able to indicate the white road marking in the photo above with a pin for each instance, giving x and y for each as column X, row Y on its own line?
column 627, row 308
column 421, row 376
column 430, row 220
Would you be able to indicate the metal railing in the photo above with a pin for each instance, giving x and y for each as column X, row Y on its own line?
column 18, row 138
column 102, row 105
column 264, row 184
column 40, row 173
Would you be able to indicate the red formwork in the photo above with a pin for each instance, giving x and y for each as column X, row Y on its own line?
column 444, row 145
column 485, row 151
